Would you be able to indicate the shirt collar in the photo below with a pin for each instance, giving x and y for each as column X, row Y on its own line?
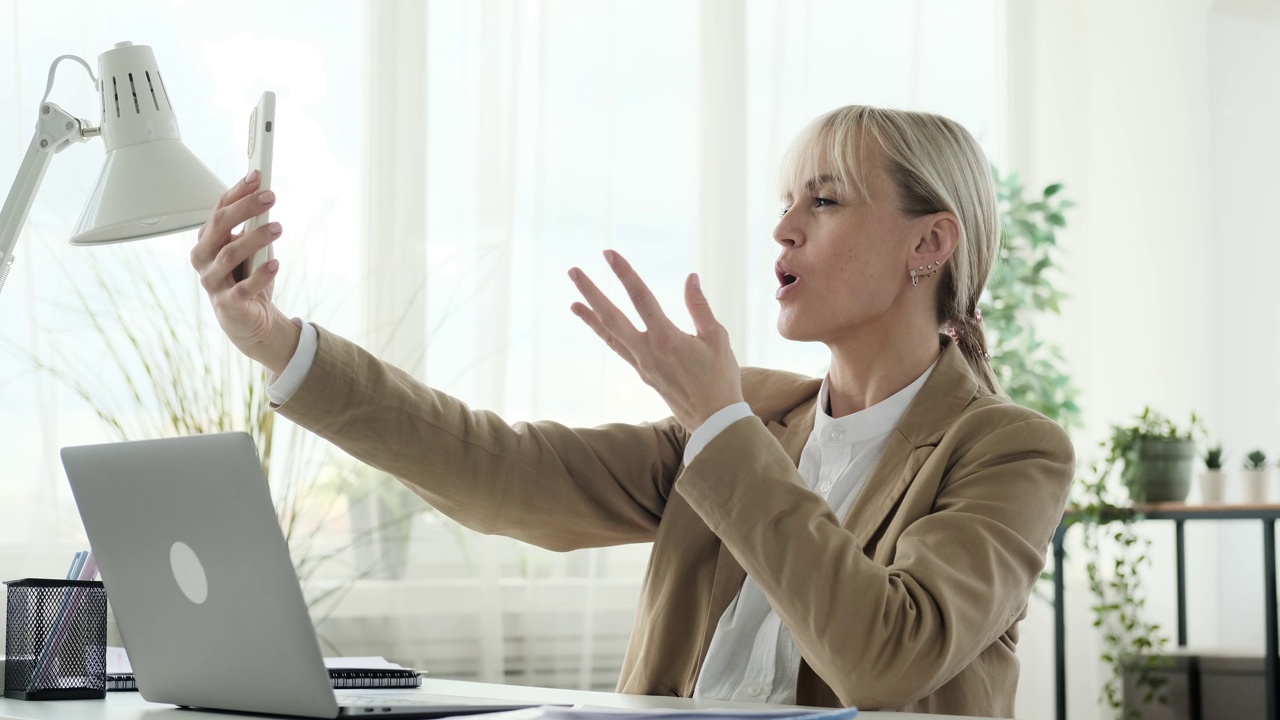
column 865, row 424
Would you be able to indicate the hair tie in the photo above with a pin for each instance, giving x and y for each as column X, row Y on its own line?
column 962, row 338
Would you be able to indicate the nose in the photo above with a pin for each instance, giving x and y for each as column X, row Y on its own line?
column 787, row 232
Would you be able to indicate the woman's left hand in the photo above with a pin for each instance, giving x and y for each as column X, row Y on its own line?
column 696, row 375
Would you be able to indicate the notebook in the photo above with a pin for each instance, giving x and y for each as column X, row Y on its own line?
column 201, row 583
column 346, row 673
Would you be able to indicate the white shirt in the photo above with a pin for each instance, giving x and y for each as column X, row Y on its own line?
column 284, row 386
column 752, row 657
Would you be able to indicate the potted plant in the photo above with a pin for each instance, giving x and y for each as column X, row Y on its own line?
column 1152, row 461
column 1255, row 476
column 1157, row 457
column 1213, row 480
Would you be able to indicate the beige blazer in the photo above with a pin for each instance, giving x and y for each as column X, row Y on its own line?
column 913, row 603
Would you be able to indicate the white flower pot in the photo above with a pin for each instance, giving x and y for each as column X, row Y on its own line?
column 1213, row 487
column 1254, row 483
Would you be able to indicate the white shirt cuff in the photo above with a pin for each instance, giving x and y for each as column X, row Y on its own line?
column 713, row 427
column 280, row 389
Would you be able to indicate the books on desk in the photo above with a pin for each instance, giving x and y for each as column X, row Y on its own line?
column 346, row 673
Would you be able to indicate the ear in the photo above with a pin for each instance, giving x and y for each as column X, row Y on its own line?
column 937, row 240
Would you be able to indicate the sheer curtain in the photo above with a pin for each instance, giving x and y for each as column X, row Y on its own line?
column 216, row 60
column 556, row 129
column 450, row 162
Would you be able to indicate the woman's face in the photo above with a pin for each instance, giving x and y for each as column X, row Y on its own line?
column 845, row 259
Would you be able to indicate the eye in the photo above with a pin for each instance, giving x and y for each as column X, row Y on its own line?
column 823, row 202
column 783, row 212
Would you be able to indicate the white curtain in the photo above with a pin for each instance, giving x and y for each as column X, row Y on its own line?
column 442, row 165
column 556, row 129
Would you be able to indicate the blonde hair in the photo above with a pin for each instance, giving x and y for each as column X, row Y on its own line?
column 937, row 166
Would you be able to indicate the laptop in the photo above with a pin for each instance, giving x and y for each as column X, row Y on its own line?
column 202, row 586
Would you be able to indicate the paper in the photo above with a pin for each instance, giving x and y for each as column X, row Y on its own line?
column 589, row 712
column 361, row 663
column 118, row 663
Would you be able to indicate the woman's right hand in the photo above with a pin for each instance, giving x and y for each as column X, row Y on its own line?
column 243, row 306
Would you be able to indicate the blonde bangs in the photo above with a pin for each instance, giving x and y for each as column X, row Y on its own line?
column 833, row 145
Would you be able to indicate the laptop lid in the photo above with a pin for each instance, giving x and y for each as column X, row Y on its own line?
column 199, row 575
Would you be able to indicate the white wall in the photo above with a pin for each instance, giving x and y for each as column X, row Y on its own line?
column 1113, row 98
column 1245, row 95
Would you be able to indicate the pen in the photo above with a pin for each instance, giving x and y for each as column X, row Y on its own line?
column 73, row 572
column 83, row 567
column 89, row 570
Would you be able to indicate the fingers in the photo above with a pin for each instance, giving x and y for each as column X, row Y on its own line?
column 220, row 273
column 704, row 321
column 260, row 280
column 594, row 323
column 234, row 207
column 609, row 317
column 646, row 304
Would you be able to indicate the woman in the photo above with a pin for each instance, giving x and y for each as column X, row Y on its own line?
column 866, row 539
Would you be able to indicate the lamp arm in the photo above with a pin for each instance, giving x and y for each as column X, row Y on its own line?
column 56, row 130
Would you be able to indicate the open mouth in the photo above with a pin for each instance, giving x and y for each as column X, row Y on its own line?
column 785, row 276
column 786, row 279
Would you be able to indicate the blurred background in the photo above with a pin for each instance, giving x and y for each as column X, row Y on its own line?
column 441, row 164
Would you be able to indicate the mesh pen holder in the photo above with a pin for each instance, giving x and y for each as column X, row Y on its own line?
column 55, row 640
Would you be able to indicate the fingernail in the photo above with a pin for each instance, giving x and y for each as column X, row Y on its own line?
column 610, row 257
column 273, row 228
column 273, row 265
column 573, row 274
column 253, row 175
column 696, row 282
column 266, row 197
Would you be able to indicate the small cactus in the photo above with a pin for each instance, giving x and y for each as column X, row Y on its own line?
column 1255, row 460
column 1213, row 458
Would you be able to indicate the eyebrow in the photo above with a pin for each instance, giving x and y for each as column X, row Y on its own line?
column 815, row 183
column 819, row 181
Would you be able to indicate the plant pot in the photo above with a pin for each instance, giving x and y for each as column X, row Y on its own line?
column 1213, row 486
column 1254, row 482
column 1161, row 471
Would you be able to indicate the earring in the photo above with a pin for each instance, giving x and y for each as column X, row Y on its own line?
column 915, row 281
column 924, row 275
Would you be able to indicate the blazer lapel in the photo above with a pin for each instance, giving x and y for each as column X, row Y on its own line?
column 729, row 573
column 945, row 394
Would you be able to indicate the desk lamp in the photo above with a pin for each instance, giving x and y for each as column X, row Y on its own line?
column 150, row 184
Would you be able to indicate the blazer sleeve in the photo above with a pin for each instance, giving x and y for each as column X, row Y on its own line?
column 557, row 487
column 885, row 636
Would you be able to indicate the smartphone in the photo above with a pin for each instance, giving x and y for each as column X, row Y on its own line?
column 262, row 133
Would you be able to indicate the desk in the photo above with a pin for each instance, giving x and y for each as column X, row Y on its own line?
column 1180, row 513
column 131, row 706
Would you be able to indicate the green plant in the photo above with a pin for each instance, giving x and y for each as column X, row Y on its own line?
column 1126, row 441
column 177, row 376
column 1255, row 460
column 1116, row 556
column 1020, row 294
column 1213, row 458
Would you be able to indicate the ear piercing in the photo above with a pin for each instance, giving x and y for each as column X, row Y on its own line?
column 924, row 271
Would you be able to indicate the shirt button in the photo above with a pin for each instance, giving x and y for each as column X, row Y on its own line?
column 837, row 434
column 755, row 690
column 825, row 487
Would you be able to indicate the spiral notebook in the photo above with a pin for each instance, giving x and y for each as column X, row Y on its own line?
column 346, row 673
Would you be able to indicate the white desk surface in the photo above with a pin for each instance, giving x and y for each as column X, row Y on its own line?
column 131, row 706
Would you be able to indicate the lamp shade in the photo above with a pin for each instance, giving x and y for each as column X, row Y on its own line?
column 151, row 184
